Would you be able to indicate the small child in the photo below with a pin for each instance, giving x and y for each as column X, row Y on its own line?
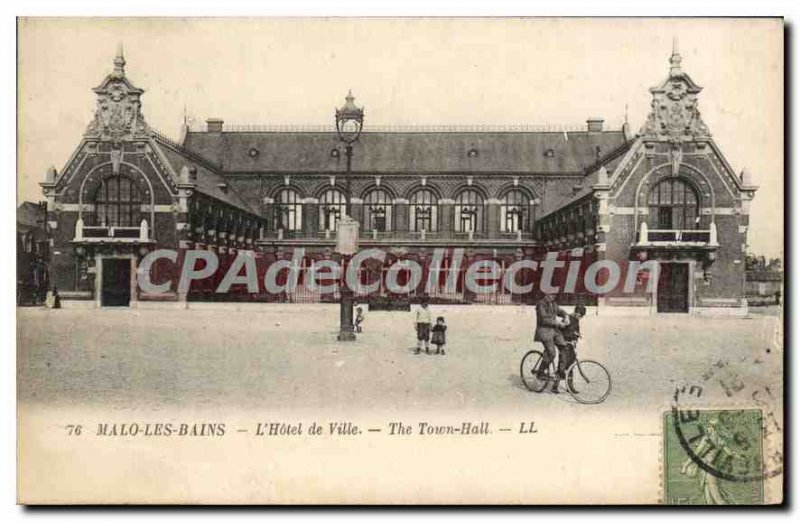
column 571, row 333
column 359, row 318
column 438, row 336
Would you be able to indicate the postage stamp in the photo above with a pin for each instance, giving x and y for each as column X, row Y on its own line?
column 713, row 457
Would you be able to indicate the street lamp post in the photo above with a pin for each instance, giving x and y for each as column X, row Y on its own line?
column 349, row 121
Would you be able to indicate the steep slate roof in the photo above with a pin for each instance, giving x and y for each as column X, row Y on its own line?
column 610, row 161
column 208, row 180
column 417, row 152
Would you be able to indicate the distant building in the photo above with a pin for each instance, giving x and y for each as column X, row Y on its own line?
column 665, row 194
column 764, row 286
column 32, row 253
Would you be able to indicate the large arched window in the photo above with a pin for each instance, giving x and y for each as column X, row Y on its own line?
column 117, row 202
column 288, row 211
column 332, row 206
column 673, row 206
column 378, row 211
column 469, row 211
column 514, row 212
column 422, row 211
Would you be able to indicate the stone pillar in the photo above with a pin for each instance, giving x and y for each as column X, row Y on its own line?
column 400, row 221
column 134, row 284
column 310, row 218
column 356, row 208
column 269, row 214
column 446, row 217
column 492, row 220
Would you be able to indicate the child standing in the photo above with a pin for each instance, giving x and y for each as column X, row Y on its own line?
column 422, row 320
column 359, row 318
column 439, row 336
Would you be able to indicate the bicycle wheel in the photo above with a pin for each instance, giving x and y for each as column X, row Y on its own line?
column 528, row 370
column 588, row 381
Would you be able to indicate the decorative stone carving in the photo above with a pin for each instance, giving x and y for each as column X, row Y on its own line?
column 116, row 158
column 675, row 157
column 118, row 116
column 674, row 115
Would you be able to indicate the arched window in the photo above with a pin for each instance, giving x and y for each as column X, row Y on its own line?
column 378, row 211
column 423, row 208
column 469, row 212
column 117, row 203
column 332, row 206
column 288, row 211
column 514, row 212
column 673, row 206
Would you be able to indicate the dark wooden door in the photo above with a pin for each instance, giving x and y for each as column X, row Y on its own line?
column 673, row 288
column 116, row 282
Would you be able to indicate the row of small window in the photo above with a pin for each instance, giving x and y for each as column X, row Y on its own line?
column 424, row 211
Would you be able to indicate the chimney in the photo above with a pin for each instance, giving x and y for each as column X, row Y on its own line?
column 51, row 175
column 214, row 125
column 594, row 124
column 745, row 177
column 188, row 174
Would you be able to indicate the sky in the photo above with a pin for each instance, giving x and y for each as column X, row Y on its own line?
column 440, row 71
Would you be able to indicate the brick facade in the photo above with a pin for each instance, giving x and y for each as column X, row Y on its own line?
column 220, row 189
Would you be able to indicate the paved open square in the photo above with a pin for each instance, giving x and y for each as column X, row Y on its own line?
column 285, row 357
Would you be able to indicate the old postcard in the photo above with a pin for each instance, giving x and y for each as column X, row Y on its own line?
column 400, row 261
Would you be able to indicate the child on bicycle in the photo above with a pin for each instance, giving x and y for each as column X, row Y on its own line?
column 570, row 333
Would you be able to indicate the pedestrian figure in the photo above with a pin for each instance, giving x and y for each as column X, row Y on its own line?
column 422, row 320
column 359, row 318
column 53, row 300
column 439, row 335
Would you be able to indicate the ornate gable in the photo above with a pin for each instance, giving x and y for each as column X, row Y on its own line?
column 674, row 115
column 118, row 116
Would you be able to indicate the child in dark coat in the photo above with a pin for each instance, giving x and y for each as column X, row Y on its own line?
column 439, row 336
column 571, row 333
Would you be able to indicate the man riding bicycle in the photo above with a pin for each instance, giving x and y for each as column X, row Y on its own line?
column 550, row 332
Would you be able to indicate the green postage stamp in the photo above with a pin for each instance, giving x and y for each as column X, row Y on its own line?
column 713, row 457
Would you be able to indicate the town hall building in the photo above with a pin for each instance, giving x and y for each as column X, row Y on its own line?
column 664, row 194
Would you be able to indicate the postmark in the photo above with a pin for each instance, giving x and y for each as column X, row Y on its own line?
column 723, row 436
